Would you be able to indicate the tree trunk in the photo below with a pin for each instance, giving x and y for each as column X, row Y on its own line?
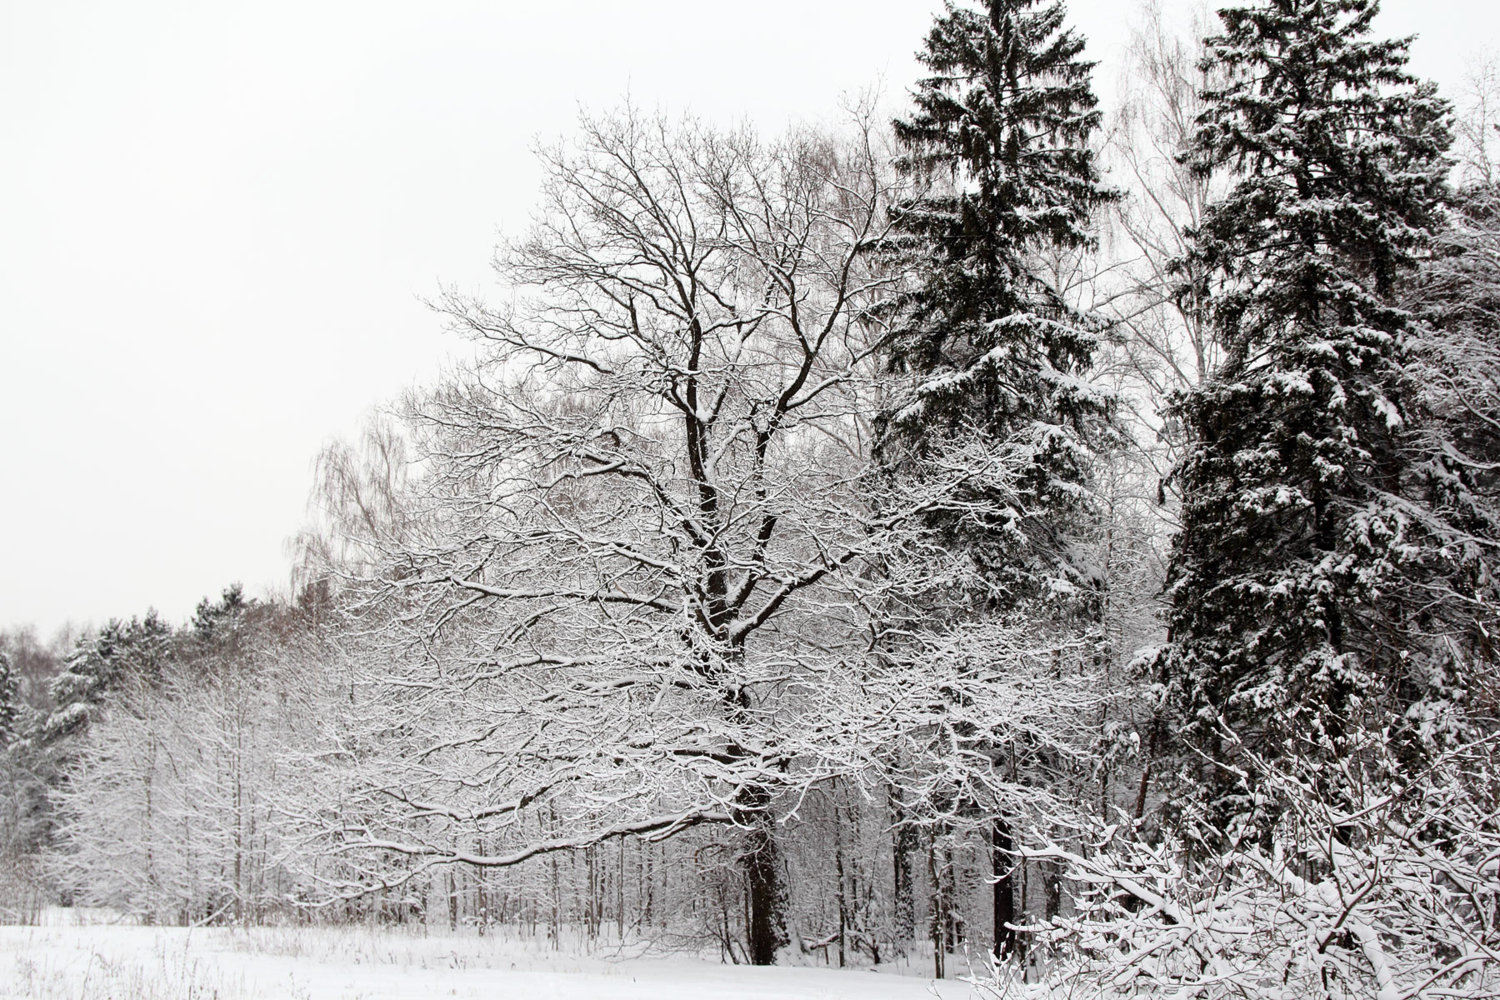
column 903, row 845
column 838, row 864
column 452, row 901
column 939, row 899
column 762, row 861
column 620, row 897
column 1003, row 862
column 1052, row 872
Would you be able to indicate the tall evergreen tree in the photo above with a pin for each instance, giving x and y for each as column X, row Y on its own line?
column 1001, row 133
column 1289, row 612
column 10, row 709
column 998, row 143
column 137, row 650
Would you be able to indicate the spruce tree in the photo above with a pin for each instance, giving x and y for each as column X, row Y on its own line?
column 1300, row 530
column 1001, row 131
column 10, row 709
column 998, row 144
column 134, row 651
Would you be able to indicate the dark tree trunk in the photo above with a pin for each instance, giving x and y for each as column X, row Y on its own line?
column 939, row 907
column 1140, row 796
column 452, row 901
column 903, row 845
column 765, row 893
column 841, row 875
column 1005, row 869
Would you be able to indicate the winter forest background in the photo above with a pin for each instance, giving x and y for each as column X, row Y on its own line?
column 1024, row 528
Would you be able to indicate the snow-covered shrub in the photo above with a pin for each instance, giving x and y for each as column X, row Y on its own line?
column 1365, row 884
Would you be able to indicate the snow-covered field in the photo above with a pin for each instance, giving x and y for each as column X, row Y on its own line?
column 95, row 961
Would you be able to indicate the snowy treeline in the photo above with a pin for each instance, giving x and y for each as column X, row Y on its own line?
column 1060, row 538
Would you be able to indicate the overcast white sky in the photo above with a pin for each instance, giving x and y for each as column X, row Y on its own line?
column 216, row 220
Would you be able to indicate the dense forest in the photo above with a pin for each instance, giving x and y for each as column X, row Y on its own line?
column 1025, row 536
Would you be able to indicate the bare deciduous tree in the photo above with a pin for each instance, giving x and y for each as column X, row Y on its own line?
column 640, row 531
column 1390, row 895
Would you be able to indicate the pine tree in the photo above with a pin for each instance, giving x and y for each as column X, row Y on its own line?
column 1001, row 130
column 1300, row 528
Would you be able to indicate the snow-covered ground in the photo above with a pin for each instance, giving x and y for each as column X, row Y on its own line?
column 94, row 961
